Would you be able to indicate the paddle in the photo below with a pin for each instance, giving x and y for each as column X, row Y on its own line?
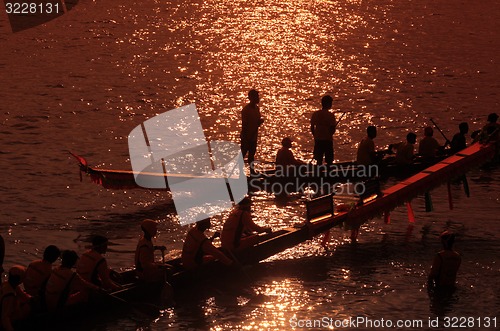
column 340, row 119
column 437, row 127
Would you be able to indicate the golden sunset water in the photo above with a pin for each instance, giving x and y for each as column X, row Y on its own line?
column 83, row 81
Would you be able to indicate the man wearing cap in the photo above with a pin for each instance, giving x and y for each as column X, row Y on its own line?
column 92, row 265
column 198, row 249
column 145, row 265
column 13, row 300
column 285, row 157
column 239, row 229
column 38, row 272
column 445, row 265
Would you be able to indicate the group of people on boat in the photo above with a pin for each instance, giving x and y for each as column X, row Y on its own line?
column 239, row 232
column 48, row 288
column 324, row 124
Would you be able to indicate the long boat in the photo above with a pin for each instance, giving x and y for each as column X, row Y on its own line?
column 320, row 218
column 296, row 178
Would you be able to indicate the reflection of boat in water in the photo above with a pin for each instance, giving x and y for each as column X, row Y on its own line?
column 28, row 14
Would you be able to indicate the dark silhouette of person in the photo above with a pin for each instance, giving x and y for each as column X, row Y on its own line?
column 323, row 125
column 251, row 120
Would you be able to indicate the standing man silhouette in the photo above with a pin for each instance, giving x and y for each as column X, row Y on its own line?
column 251, row 120
column 323, row 125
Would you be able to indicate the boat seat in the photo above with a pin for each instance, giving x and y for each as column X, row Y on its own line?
column 319, row 208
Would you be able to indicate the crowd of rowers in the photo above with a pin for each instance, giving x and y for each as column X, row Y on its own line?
column 42, row 287
column 428, row 148
column 324, row 124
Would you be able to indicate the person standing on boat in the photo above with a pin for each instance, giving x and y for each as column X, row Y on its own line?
column 251, row 120
column 146, row 267
column 198, row 249
column 38, row 272
column 285, row 156
column 66, row 287
column 93, row 267
column 445, row 266
column 366, row 154
column 14, row 302
column 459, row 142
column 239, row 230
column 428, row 147
column 405, row 150
column 323, row 125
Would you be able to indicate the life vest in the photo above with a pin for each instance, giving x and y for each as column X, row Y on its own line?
column 88, row 266
column 144, row 246
column 192, row 251
column 233, row 230
column 37, row 275
column 58, row 287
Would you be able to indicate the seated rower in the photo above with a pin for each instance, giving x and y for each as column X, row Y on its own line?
column 285, row 157
column 14, row 302
column 65, row 287
column 92, row 265
column 239, row 229
column 366, row 154
column 491, row 131
column 405, row 150
column 38, row 272
column 198, row 249
column 428, row 147
column 146, row 267
column 458, row 142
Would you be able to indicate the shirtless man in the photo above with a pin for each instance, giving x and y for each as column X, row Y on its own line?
column 445, row 266
column 251, row 120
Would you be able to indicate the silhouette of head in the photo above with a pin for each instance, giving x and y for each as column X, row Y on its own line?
column 69, row 258
column 253, row 96
column 448, row 239
column 51, row 253
column 411, row 138
column 149, row 227
column 463, row 127
column 16, row 275
column 492, row 118
column 286, row 142
column 100, row 244
column 326, row 102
